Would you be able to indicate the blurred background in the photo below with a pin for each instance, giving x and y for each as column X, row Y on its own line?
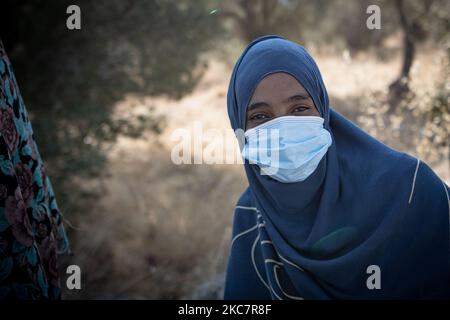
column 105, row 99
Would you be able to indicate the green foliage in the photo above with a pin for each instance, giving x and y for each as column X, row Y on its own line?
column 71, row 80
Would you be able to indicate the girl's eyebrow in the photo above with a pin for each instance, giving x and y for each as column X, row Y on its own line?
column 299, row 96
column 296, row 97
column 257, row 105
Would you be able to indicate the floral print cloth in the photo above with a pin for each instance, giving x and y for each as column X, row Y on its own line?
column 31, row 232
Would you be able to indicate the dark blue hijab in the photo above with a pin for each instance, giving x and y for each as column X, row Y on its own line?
column 367, row 210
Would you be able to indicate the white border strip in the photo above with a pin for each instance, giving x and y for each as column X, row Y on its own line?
column 242, row 233
column 247, row 208
column 279, row 286
column 256, row 268
column 414, row 182
column 448, row 202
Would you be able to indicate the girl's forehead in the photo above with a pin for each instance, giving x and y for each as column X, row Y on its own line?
column 279, row 83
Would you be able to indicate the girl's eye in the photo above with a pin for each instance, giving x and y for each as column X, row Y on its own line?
column 300, row 109
column 259, row 116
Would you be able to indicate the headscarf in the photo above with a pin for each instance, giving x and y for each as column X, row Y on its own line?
column 369, row 223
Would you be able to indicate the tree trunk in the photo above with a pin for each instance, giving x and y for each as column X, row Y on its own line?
column 399, row 87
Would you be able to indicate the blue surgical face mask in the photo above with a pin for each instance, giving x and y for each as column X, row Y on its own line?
column 287, row 148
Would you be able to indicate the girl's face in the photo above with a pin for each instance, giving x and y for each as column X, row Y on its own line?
column 279, row 94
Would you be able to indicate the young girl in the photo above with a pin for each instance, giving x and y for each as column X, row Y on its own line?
column 330, row 212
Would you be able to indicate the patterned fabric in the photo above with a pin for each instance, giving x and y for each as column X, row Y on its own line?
column 31, row 232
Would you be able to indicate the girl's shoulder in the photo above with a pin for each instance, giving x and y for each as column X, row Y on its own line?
column 246, row 198
column 427, row 187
